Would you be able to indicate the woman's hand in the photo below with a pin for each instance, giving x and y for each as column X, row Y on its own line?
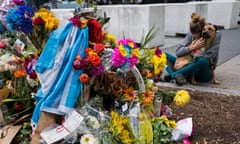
column 197, row 44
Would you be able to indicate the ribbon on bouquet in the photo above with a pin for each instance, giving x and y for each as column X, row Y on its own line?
column 60, row 86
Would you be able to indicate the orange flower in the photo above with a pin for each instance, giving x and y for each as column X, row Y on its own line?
column 78, row 57
column 155, row 89
column 95, row 60
column 149, row 75
column 130, row 94
column 19, row 73
column 84, row 78
column 99, row 47
column 88, row 50
column 147, row 97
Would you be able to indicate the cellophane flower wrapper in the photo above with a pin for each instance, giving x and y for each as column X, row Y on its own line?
column 93, row 121
column 183, row 130
column 145, row 134
column 141, row 124
column 133, row 118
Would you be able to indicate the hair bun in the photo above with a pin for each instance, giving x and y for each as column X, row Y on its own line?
column 195, row 18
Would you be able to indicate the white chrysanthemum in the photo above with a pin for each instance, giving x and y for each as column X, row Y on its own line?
column 88, row 139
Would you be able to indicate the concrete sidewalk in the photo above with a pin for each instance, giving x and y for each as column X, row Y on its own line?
column 227, row 71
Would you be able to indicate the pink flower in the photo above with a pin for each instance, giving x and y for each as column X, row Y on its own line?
column 158, row 52
column 117, row 58
column 186, row 141
column 133, row 60
column 76, row 21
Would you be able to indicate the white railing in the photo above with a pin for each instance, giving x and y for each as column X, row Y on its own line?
column 133, row 21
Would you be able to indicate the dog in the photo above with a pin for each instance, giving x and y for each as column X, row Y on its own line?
column 209, row 34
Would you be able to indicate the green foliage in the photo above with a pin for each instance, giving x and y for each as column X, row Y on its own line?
column 106, row 136
column 167, row 96
column 161, row 132
column 23, row 136
column 147, row 53
column 151, row 34
column 103, row 20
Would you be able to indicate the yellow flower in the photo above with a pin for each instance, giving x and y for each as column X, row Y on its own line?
column 159, row 63
column 131, row 44
column 181, row 98
column 42, row 10
column 79, row 1
column 121, row 129
column 84, row 22
column 111, row 39
column 171, row 123
column 91, row 53
column 125, row 137
column 49, row 26
column 123, row 50
column 51, row 22
column 136, row 52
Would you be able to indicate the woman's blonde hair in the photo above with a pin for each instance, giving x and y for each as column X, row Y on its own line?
column 197, row 23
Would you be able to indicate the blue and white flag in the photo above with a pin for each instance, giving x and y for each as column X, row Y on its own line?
column 60, row 84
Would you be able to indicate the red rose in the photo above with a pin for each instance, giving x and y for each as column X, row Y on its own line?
column 95, row 31
column 38, row 21
column 99, row 47
column 33, row 75
column 76, row 21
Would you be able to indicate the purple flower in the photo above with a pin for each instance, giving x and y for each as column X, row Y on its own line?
column 98, row 70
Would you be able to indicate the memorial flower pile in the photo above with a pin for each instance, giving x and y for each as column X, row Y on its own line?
column 121, row 74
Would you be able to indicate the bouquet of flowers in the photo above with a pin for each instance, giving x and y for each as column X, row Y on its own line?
column 19, row 50
column 32, row 28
